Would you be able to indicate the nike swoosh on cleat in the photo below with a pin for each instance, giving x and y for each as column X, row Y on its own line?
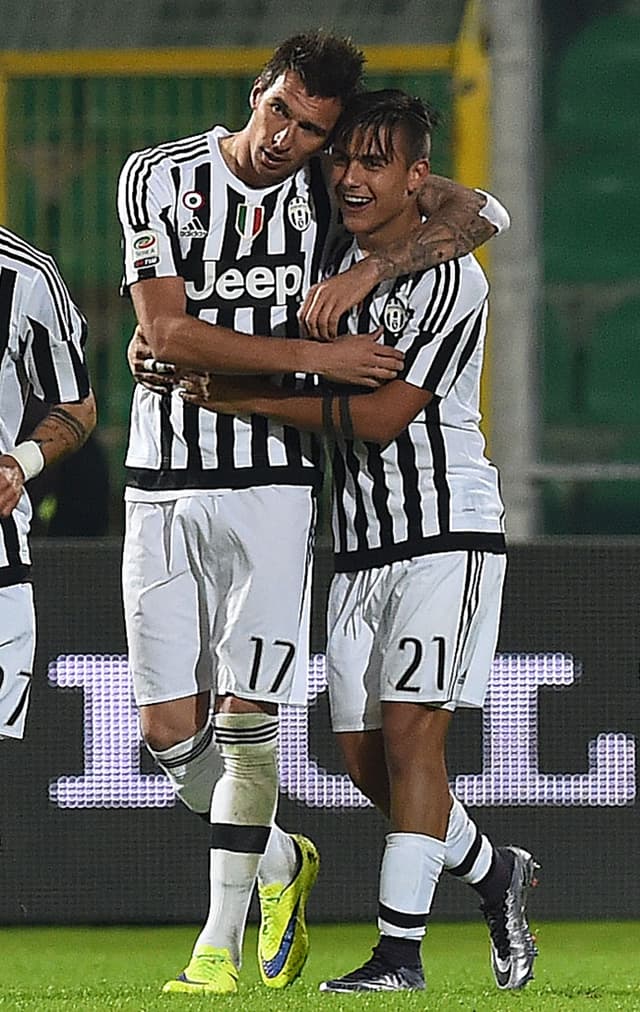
column 273, row 966
column 503, row 971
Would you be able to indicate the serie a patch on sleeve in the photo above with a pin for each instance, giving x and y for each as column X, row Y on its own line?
column 145, row 248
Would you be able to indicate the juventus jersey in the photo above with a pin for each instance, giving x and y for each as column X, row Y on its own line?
column 42, row 337
column 246, row 256
column 431, row 489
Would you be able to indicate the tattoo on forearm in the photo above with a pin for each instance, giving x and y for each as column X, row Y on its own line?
column 60, row 433
column 426, row 248
column 73, row 426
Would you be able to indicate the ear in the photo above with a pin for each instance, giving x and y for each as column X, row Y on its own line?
column 417, row 174
column 255, row 93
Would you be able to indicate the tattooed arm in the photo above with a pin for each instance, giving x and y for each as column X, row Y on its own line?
column 61, row 432
column 459, row 220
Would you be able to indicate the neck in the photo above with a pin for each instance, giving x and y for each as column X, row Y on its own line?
column 235, row 154
column 388, row 235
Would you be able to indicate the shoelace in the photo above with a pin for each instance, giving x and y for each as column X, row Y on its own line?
column 267, row 908
column 211, row 957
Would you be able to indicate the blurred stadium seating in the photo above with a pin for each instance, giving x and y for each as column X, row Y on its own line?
column 598, row 84
column 591, row 348
column 150, row 23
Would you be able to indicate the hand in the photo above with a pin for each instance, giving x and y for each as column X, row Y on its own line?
column 151, row 374
column 320, row 313
column 11, row 484
column 227, row 395
column 359, row 361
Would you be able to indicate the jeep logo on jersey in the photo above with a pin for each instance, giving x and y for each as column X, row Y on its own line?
column 247, row 285
column 299, row 214
column 249, row 220
column 396, row 314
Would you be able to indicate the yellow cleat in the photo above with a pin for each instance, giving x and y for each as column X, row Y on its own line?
column 209, row 972
column 283, row 939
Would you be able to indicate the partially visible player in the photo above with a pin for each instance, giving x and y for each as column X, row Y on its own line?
column 42, row 337
column 418, row 527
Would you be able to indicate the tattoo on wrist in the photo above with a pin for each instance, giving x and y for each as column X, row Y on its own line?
column 70, row 424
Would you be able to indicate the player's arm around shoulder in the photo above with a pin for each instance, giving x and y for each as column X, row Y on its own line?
column 458, row 221
column 61, row 432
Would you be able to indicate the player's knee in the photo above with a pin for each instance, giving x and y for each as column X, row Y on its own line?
column 365, row 764
column 414, row 734
column 165, row 725
column 412, row 748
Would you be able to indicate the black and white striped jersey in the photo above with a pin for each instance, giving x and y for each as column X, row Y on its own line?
column 246, row 256
column 431, row 489
column 42, row 337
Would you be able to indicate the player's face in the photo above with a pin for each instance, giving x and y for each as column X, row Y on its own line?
column 376, row 187
column 287, row 126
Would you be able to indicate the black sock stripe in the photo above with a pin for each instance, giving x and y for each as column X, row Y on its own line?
column 470, row 857
column 400, row 919
column 239, row 839
column 182, row 760
column 246, row 737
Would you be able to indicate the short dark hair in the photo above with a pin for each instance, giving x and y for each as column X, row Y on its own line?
column 328, row 66
column 378, row 114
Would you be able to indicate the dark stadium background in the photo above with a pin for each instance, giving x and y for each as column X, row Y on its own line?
column 149, row 865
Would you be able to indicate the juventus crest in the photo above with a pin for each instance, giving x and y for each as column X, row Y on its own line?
column 299, row 214
column 396, row 314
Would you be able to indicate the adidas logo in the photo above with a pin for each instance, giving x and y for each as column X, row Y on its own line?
column 194, row 229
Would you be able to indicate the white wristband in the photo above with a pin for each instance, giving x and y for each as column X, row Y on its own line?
column 29, row 457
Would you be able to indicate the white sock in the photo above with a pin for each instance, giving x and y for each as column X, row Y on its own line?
column 194, row 767
column 411, row 866
column 242, row 809
column 280, row 860
column 468, row 852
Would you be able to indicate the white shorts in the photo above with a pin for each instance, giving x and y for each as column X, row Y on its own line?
column 419, row 631
column 217, row 593
column 17, row 649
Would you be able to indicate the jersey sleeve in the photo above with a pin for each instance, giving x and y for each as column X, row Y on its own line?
column 146, row 208
column 53, row 336
column 447, row 316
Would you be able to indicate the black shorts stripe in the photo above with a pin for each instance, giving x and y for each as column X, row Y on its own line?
column 22, row 703
column 470, row 601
